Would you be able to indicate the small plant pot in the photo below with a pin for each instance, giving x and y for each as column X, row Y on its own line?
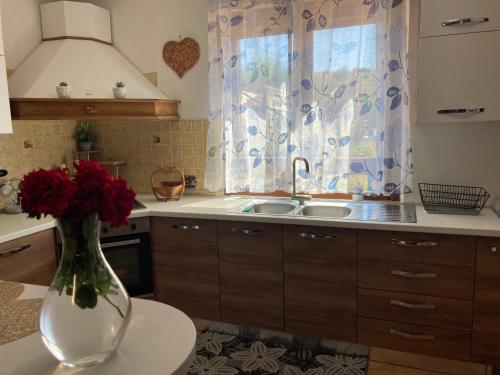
column 64, row 92
column 84, row 146
column 119, row 92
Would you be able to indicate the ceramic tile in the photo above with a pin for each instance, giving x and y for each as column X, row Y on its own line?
column 144, row 144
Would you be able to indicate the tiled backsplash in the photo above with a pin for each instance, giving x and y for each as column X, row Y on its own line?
column 146, row 145
column 36, row 144
column 143, row 144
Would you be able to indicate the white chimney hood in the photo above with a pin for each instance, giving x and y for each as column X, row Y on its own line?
column 77, row 48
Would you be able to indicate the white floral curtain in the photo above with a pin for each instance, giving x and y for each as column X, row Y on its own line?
column 326, row 80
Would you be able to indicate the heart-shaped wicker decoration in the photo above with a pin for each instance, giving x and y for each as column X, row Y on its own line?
column 181, row 56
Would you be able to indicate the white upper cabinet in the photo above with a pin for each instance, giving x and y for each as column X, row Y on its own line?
column 446, row 17
column 5, row 118
column 458, row 78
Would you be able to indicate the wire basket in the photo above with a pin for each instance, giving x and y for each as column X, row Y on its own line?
column 453, row 199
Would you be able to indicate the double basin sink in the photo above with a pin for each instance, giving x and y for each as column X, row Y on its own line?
column 332, row 209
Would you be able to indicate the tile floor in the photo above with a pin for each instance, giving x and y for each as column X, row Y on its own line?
column 392, row 362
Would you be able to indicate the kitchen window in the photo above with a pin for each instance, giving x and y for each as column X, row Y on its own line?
column 324, row 80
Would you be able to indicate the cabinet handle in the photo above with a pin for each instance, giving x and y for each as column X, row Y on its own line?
column 395, row 241
column 186, row 227
column 411, row 275
column 409, row 335
column 452, row 111
column 411, row 305
column 249, row 232
column 313, row 236
column 90, row 110
column 8, row 253
column 460, row 21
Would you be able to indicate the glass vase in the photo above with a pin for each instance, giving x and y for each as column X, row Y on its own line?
column 86, row 310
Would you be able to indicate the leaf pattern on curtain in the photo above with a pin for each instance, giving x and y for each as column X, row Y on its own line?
column 326, row 80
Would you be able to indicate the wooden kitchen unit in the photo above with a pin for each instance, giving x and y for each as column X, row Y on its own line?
column 417, row 292
column 30, row 259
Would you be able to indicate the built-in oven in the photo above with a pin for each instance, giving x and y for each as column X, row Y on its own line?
column 127, row 250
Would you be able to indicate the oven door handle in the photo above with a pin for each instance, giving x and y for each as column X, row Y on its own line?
column 120, row 243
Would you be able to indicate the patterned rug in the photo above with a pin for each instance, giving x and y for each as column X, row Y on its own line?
column 224, row 354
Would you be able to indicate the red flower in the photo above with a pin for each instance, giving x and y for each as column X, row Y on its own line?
column 46, row 193
column 92, row 191
column 90, row 180
column 117, row 203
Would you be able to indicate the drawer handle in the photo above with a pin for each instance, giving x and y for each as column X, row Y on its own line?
column 395, row 241
column 8, row 253
column 186, row 227
column 249, row 232
column 406, row 335
column 90, row 110
column 461, row 21
column 412, row 306
column 313, row 236
column 455, row 111
column 411, row 275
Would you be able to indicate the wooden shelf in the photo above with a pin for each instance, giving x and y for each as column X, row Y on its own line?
column 56, row 109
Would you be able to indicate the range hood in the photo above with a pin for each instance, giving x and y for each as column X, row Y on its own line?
column 77, row 48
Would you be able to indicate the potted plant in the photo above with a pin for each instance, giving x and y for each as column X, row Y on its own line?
column 119, row 90
column 84, row 136
column 86, row 310
column 63, row 90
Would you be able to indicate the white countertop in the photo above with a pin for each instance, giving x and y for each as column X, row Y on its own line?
column 159, row 340
column 225, row 208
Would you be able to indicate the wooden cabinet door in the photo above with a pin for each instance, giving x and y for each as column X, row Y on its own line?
column 487, row 293
column 486, row 327
column 320, row 282
column 30, row 259
column 185, row 264
column 251, row 274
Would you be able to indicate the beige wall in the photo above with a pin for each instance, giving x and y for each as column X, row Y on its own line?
column 141, row 28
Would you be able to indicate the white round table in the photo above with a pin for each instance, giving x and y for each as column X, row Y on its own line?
column 160, row 340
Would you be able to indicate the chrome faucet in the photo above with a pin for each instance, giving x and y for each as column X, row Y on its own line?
column 299, row 197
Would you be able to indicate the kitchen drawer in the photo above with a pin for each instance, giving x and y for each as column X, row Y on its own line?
column 487, row 293
column 251, row 274
column 424, row 248
column 434, row 13
column 414, row 308
column 415, row 338
column 441, row 281
column 186, row 265
column 320, row 282
column 30, row 259
column 486, row 349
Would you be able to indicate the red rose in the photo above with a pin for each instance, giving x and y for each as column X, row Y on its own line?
column 46, row 193
column 92, row 191
column 90, row 180
column 117, row 203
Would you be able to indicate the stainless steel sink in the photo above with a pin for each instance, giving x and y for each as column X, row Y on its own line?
column 341, row 210
column 320, row 210
column 271, row 208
